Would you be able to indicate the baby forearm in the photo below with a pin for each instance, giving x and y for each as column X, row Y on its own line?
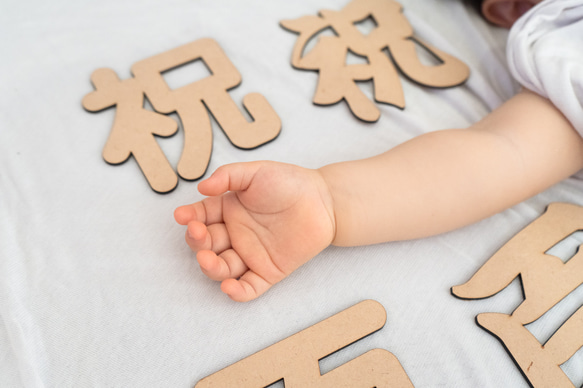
column 428, row 185
column 447, row 179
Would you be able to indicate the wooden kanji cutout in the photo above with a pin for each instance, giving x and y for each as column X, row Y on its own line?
column 295, row 359
column 546, row 280
column 393, row 34
column 540, row 364
column 189, row 102
column 134, row 127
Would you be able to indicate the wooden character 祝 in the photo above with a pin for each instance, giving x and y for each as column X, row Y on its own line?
column 134, row 126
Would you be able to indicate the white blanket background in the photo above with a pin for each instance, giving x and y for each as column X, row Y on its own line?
column 98, row 288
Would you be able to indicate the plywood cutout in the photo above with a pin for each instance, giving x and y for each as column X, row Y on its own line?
column 540, row 364
column 392, row 38
column 134, row 125
column 546, row 280
column 295, row 359
column 133, row 128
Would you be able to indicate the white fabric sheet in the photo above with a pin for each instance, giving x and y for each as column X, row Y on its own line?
column 545, row 54
column 98, row 288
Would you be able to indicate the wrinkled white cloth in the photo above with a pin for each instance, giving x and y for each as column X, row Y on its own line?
column 545, row 55
column 98, row 288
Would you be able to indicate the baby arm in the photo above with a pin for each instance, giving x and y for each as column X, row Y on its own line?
column 262, row 220
column 447, row 179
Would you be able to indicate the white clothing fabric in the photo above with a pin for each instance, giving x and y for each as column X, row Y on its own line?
column 545, row 55
column 98, row 288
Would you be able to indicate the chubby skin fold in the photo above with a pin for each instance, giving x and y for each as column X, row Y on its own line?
column 262, row 220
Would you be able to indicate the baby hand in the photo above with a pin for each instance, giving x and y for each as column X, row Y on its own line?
column 260, row 221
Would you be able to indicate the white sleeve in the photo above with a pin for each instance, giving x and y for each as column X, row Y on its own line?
column 545, row 55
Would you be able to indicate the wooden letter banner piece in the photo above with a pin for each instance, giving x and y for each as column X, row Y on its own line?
column 393, row 33
column 134, row 126
column 546, row 280
column 295, row 359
